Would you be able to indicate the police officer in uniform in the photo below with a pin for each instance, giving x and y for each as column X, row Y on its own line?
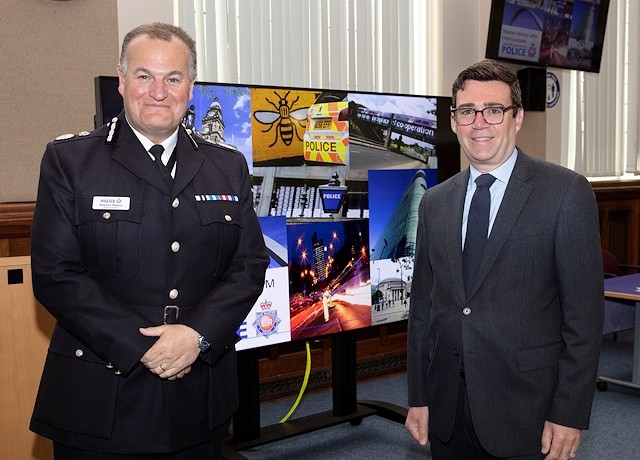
column 149, row 270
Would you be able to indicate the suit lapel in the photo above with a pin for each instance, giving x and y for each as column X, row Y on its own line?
column 134, row 157
column 131, row 154
column 515, row 197
column 455, row 201
column 189, row 161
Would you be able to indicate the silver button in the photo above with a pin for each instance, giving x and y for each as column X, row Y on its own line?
column 106, row 215
column 175, row 246
column 173, row 294
column 109, row 365
column 175, row 203
column 466, row 311
column 118, row 372
column 227, row 217
column 79, row 353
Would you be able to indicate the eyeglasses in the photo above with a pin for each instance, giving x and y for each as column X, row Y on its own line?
column 492, row 115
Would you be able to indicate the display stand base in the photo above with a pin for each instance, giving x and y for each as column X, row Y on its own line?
column 247, row 432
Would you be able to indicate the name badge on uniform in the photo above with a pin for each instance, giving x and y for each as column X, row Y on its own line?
column 111, row 203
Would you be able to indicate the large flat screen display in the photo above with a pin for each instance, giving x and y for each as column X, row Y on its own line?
column 372, row 155
column 565, row 33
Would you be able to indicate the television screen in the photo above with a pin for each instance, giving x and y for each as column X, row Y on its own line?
column 108, row 100
column 566, row 34
column 333, row 268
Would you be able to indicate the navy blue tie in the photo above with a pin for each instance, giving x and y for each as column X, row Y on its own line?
column 477, row 229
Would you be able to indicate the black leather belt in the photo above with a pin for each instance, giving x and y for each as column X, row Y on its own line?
column 171, row 314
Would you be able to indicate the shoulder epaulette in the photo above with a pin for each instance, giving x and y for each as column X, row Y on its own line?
column 65, row 137
column 114, row 128
column 190, row 136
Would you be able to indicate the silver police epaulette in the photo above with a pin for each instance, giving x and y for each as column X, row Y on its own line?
column 193, row 141
column 112, row 129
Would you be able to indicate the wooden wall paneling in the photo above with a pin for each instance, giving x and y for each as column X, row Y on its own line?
column 619, row 207
column 25, row 332
column 15, row 228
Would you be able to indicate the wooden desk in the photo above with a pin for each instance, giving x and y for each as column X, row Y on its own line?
column 628, row 288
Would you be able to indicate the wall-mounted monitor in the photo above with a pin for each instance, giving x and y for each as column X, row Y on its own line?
column 566, row 34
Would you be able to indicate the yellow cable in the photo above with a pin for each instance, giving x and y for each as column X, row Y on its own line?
column 307, row 371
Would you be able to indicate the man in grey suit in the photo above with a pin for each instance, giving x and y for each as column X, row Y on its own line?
column 506, row 367
column 147, row 251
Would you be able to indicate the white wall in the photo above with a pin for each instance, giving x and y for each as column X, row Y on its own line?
column 137, row 12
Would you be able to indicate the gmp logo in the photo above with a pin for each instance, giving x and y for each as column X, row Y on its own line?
column 553, row 90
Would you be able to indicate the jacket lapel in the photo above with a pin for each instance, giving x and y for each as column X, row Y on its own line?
column 455, row 201
column 131, row 154
column 189, row 160
column 515, row 197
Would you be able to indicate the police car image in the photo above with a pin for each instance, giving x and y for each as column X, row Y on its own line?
column 326, row 138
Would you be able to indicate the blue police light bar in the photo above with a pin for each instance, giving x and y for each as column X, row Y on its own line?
column 332, row 197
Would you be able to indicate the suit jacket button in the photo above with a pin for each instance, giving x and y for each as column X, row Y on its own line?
column 79, row 353
column 466, row 311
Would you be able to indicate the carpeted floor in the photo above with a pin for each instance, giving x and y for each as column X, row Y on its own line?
column 614, row 432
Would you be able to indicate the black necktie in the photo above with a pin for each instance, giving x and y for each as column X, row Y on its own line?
column 165, row 170
column 477, row 229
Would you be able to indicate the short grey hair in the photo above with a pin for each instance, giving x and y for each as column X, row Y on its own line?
column 161, row 31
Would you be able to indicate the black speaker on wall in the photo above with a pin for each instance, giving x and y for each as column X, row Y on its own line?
column 533, row 82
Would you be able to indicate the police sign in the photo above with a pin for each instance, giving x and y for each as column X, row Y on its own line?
column 332, row 197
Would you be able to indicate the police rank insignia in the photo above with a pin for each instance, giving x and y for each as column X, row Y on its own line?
column 267, row 320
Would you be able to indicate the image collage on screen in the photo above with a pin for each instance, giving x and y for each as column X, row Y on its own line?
column 337, row 179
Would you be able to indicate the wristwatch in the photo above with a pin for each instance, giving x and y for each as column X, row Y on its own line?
column 203, row 343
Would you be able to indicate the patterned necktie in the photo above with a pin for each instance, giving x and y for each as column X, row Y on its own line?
column 477, row 229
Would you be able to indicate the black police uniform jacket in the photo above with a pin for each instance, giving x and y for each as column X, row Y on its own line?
column 113, row 243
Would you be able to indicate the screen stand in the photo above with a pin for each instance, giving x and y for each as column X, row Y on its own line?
column 247, row 432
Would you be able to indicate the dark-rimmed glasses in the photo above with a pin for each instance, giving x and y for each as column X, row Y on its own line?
column 493, row 115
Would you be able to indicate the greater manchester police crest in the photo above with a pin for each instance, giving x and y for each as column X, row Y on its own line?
column 267, row 320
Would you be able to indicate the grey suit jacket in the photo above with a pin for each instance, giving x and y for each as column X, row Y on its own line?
column 530, row 330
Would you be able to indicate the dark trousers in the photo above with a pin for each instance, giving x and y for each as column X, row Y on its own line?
column 464, row 443
column 210, row 450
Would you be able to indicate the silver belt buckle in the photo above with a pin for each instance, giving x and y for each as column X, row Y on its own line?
column 171, row 314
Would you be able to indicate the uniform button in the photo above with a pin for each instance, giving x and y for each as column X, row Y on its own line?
column 106, row 215
column 118, row 372
column 109, row 365
column 175, row 246
column 79, row 353
column 227, row 217
column 466, row 311
column 173, row 294
column 175, row 203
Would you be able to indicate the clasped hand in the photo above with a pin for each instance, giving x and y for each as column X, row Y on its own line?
column 173, row 353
